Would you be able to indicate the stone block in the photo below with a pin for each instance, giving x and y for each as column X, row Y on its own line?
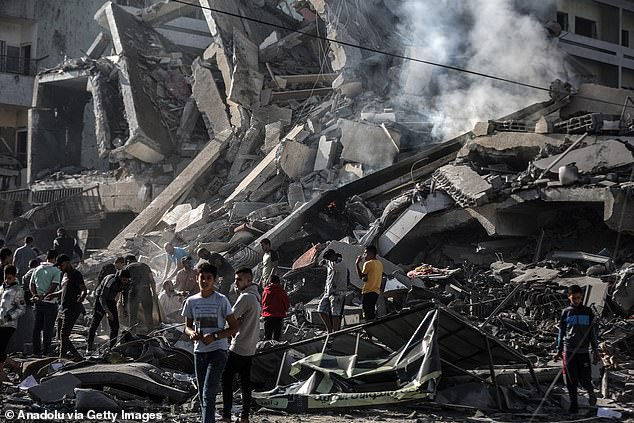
column 208, row 99
column 483, row 128
column 296, row 160
column 295, row 194
column 325, row 157
column 173, row 216
column 193, row 218
column 367, row 144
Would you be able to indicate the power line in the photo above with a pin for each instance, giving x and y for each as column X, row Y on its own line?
column 387, row 53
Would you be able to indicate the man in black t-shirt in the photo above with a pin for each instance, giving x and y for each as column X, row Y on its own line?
column 73, row 292
column 141, row 292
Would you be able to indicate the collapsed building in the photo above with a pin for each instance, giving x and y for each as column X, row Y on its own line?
column 264, row 135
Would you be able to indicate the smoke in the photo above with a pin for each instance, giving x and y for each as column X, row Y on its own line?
column 494, row 37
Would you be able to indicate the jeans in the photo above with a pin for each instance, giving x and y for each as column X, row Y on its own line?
column 577, row 371
column 96, row 320
column 70, row 317
column 241, row 365
column 369, row 300
column 141, row 296
column 209, row 368
column 273, row 328
column 45, row 315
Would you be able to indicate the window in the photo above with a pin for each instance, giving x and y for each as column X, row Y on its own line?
column 13, row 59
column 25, row 58
column 562, row 20
column 585, row 27
column 625, row 38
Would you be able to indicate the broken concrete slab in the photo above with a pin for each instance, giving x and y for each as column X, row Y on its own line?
column 263, row 171
column 172, row 217
column 193, row 218
column 92, row 399
column 295, row 194
column 273, row 113
column 55, row 389
column 208, row 99
column 463, row 184
column 241, row 209
column 325, row 157
column 146, row 220
column 272, row 136
column 595, row 158
column 594, row 96
column 367, row 144
column 98, row 46
column 246, row 80
column 149, row 140
column 296, row 160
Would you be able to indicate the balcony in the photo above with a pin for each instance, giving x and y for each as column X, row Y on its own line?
column 17, row 65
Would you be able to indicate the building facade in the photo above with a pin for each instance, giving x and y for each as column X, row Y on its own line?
column 599, row 34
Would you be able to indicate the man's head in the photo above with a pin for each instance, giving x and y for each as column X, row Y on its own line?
column 34, row 263
column 123, row 276
column 243, row 278
column 5, row 256
column 10, row 273
column 169, row 248
column 61, row 231
column 168, row 286
column 575, row 295
column 266, row 245
column 275, row 279
column 63, row 262
column 203, row 253
column 51, row 256
column 28, row 240
column 130, row 259
column 370, row 252
column 207, row 274
column 188, row 262
column 119, row 263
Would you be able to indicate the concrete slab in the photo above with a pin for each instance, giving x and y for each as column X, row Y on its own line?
column 148, row 218
column 592, row 159
column 173, row 216
column 325, row 157
column 463, row 184
column 55, row 389
column 367, row 144
column 149, row 139
column 208, row 99
column 272, row 133
column 295, row 194
column 263, row 171
column 98, row 46
column 595, row 97
column 246, row 80
column 192, row 219
column 296, row 160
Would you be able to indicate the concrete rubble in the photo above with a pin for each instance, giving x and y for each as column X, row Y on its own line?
column 256, row 138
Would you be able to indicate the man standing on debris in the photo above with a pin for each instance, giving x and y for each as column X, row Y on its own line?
column 23, row 255
column 269, row 262
column 106, row 305
column 186, row 277
column 577, row 332
column 73, row 293
column 243, row 345
column 332, row 303
column 275, row 305
column 206, row 314
column 174, row 257
column 45, row 280
column 65, row 244
column 371, row 274
column 142, row 291
column 12, row 306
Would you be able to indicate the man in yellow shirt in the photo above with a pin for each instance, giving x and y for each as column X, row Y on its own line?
column 371, row 274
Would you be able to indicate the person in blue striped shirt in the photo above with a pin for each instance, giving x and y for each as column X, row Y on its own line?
column 577, row 333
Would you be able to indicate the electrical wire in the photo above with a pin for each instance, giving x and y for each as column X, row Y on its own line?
column 387, row 53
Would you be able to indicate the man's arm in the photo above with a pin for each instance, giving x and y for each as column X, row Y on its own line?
column 152, row 283
column 360, row 273
column 561, row 335
column 234, row 327
column 190, row 331
column 82, row 290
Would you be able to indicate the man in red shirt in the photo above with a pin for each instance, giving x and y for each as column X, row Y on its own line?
column 274, row 307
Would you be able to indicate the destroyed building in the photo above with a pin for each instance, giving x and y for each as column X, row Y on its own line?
column 289, row 132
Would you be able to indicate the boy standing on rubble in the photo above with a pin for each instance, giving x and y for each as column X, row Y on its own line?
column 371, row 274
column 206, row 314
column 577, row 331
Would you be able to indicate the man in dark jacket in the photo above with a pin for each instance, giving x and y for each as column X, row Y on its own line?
column 106, row 305
column 66, row 245
column 577, row 332
column 142, row 292
column 274, row 307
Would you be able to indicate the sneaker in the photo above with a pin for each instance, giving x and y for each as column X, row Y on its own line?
column 592, row 398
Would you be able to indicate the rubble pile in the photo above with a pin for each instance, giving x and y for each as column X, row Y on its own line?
column 275, row 134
